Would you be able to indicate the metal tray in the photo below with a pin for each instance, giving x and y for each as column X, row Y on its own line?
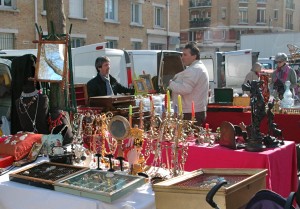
column 100, row 185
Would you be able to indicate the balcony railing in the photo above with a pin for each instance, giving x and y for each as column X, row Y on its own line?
column 204, row 3
column 200, row 22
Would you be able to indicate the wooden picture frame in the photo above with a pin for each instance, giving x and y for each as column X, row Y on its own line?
column 52, row 60
column 140, row 86
column 148, row 81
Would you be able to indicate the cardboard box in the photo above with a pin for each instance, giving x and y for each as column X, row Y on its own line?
column 189, row 191
column 241, row 101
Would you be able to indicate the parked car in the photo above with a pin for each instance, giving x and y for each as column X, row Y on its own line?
column 5, row 84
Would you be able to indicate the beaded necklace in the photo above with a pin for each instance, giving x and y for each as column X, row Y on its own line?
column 26, row 106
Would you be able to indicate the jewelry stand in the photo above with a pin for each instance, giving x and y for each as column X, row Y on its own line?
column 32, row 108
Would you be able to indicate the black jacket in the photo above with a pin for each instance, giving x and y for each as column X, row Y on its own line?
column 97, row 87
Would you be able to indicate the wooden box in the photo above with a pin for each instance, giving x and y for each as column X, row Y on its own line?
column 110, row 103
column 189, row 190
column 241, row 101
column 45, row 174
column 100, row 185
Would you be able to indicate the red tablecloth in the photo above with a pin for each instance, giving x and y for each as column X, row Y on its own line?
column 281, row 163
column 288, row 123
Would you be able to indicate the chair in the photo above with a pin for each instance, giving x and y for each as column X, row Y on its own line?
column 81, row 94
column 267, row 199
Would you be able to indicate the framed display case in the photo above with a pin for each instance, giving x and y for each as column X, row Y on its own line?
column 52, row 60
column 100, row 185
column 44, row 174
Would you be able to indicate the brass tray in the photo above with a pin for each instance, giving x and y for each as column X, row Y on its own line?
column 45, row 174
column 100, row 185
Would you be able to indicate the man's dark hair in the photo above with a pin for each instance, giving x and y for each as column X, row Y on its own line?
column 194, row 49
column 99, row 62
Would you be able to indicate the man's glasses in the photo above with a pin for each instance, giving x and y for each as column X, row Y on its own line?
column 279, row 61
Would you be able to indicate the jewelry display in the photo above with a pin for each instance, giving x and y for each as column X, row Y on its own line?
column 101, row 185
column 44, row 174
column 31, row 94
column 91, row 130
column 170, row 136
column 26, row 106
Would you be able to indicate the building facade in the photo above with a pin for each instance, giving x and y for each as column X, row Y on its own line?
column 123, row 24
column 217, row 25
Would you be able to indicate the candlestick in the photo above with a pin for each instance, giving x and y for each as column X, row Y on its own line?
column 151, row 106
column 130, row 109
column 193, row 110
column 169, row 103
column 206, row 126
column 130, row 116
column 179, row 105
column 166, row 102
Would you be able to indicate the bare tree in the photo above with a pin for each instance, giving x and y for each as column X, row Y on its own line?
column 56, row 23
column 56, row 15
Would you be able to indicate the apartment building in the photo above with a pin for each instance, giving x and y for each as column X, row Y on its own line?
column 217, row 25
column 123, row 24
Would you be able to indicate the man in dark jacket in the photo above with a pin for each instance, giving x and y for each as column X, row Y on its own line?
column 104, row 84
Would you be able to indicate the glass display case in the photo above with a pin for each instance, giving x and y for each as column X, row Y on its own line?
column 44, row 174
column 100, row 185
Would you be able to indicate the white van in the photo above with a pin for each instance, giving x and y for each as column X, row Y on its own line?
column 83, row 62
column 228, row 69
column 160, row 64
column 12, row 53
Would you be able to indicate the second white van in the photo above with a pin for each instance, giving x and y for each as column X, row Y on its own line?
column 162, row 65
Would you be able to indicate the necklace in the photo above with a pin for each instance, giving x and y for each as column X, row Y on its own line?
column 33, row 121
column 26, row 106
column 31, row 94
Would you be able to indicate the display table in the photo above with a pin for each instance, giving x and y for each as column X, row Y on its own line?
column 281, row 163
column 21, row 196
column 288, row 123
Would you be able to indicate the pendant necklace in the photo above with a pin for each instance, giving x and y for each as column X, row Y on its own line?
column 26, row 106
column 33, row 121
